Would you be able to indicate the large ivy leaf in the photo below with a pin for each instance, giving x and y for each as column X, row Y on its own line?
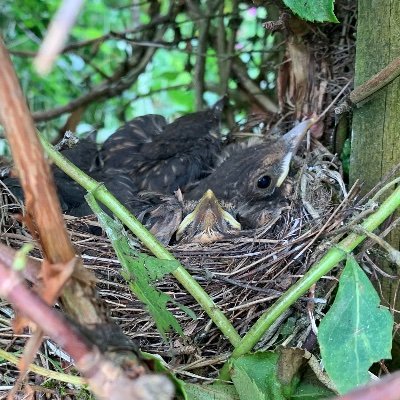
column 355, row 332
column 313, row 10
column 141, row 271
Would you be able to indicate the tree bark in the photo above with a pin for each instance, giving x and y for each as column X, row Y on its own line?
column 376, row 123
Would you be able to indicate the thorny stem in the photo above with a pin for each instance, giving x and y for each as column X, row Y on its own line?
column 101, row 193
column 322, row 267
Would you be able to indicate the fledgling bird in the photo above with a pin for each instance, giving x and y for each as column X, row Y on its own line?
column 163, row 157
column 249, row 184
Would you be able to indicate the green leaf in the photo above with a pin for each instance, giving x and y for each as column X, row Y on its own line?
column 267, row 375
column 313, row 10
column 217, row 391
column 308, row 391
column 141, row 271
column 158, row 365
column 355, row 332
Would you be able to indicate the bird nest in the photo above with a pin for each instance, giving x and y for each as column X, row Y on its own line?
column 243, row 275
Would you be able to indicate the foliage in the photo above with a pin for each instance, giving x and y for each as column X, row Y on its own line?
column 345, row 156
column 165, row 87
column 313, row 10
column 141, row 272
column 356, row 332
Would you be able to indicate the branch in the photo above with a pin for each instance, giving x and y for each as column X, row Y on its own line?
column 155, row 22
column 252, row 89
column 57, row 35
column 122, row 79
column 104, row 378
column 42, row 203
column 377, row 82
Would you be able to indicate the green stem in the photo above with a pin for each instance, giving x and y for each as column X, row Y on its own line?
column 58, row 376
column 101, row 193
column 321, row 268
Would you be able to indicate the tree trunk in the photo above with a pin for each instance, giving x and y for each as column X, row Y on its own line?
column 376, row 124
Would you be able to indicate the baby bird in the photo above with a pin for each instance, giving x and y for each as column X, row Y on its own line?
column 163, row 157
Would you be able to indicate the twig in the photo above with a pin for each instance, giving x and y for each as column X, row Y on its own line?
column 252, row 89
column 49, row 374
column 333, row 101
column 42, row 203
column 105, row 379
column 377, row 82
column 385, row 188
column 394, row 171
column 57, row 35
column 122, row 79
column 394, row 255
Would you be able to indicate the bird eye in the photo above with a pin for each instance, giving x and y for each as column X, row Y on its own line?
column 264, row 182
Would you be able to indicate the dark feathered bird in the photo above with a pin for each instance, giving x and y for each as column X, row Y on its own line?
column 249, row 184
column 163, row 157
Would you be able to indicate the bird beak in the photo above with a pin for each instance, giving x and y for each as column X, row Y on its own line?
column 209, row 221
column 292, row 140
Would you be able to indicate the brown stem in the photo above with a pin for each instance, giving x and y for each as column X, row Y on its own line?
column 104, row 378
column 41, row 199
column 378, row 81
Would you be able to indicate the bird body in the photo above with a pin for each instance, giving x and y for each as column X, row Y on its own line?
column 163, row 157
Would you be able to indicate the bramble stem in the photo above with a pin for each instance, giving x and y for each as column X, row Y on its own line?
column 101, row 193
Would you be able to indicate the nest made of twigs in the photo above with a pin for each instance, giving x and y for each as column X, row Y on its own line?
column 243, row 275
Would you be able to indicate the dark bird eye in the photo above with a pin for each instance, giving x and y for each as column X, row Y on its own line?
column 264, row 182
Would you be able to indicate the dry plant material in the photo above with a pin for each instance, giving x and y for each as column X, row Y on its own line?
column 57, row 35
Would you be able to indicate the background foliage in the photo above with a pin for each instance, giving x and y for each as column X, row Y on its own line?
column 164, row 87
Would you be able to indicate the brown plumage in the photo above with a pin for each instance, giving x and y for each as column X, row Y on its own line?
column 163, row 157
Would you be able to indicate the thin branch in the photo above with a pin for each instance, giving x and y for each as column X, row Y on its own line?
column 362, row 92
column 104, row 378
column 155, row 22
column 118, row 83
column 57, row 35
column 42, row 203
column 252, row 89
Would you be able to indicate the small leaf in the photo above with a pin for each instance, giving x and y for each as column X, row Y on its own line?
column 313, row 10
column 267, row 375
column 216, row 391
column 141, row 271
column 309, row 391
column 355, row 332
column 21, row 257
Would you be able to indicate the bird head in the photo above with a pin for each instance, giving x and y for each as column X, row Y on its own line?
column 256, row 172
column 208, row 222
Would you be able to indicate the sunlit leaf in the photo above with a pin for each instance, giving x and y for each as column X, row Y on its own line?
column 313, row 10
